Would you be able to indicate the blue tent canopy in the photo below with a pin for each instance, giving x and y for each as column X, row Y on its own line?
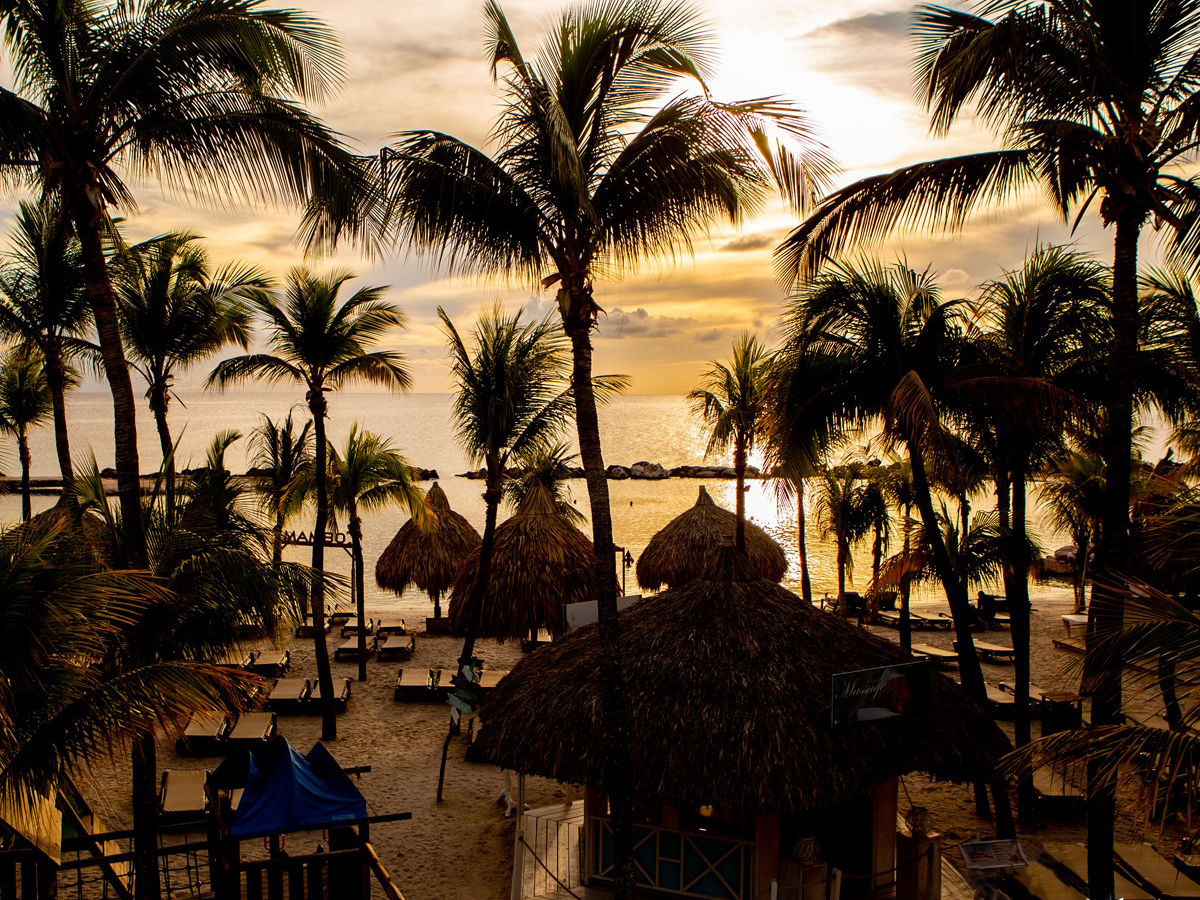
column 289, row 792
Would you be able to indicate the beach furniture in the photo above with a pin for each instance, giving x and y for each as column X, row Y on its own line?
column 992, row 652
column 308, row 628
column 1073, row 857
column 490, row 678
column 341, row 697
column 414, row 683
column 1039, row 881
column 252, row 728
column 340, row 617
column 851, row 602
column 890, row 619
column 944, row 621
column 354, row 626
column 1054, row 791
column 1072, row 644
column 539, row 639
column 397, row 646
column 271, row 663
column 437, row 624
column 1144, row 864
column 998, row 621
column 348, row 649
column 445, row 680
column 390, row 626
column 886, row 600
column 1074, row 620
column 236, row 658
column 181, row 795
column 289, row 694
column 936, row 655
column 204, row 734
column 1001, row 701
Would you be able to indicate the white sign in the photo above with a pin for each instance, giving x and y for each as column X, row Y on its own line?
column 580, row 614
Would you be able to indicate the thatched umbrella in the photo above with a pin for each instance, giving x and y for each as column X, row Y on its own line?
column 96, row 539
column 682, row 549
column 728, row 692
column 428, row 555
column 540, row 563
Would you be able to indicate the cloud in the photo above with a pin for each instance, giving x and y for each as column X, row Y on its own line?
column 756, row 241
column 870, row 50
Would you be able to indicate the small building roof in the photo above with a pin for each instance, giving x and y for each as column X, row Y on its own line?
column 428, row 555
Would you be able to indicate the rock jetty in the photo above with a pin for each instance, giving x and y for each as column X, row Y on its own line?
column 640, row 471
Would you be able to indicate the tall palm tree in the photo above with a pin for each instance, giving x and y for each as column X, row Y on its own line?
column 282, row 454
column 24, row 402
column 731, row 401
column 1091, row 100
column 550, row 466
column 323, row 343
column 513, row 399
column 176, row 311
column 369, row 474
column 842, row 512
column 601, row 165
column 43, row 307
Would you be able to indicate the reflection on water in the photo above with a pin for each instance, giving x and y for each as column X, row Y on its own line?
column 654, row 428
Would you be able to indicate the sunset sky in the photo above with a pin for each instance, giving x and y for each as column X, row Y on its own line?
column 420, row 65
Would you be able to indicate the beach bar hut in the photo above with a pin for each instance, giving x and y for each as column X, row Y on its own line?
column 744, row 784
column 428, row 555
column 682, row 549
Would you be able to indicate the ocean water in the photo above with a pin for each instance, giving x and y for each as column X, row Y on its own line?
column 655, row 428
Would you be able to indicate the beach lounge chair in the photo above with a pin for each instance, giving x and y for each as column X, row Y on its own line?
column 1001, row 702
column 236, row 658
column 1039, row 881
column 414, row 683
column 490, row 678
column 890, row 619
column 1073, row 857
column 1054, row 791
column 445, row 680
column 992, row 652
column 340, row 617
column 390, row 626
column 181, row 796
column 936, row 655
column 998, row 622
column 289, row 694
column 204, row 734
column 943, row 620
column 271, row 663
column 348, row 649
column 1144, row 864
column 397, row 646
column 308, row 628
column 1074, row 620
column 252, row 728
column 352, row 628
column 341, row 697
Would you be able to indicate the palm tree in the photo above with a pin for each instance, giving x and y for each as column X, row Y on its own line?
column 841, row 509
column 197, row 94
column 176, row 311
column 367, row 475
column 1072, row 493
column 44, row 309
column 513, row 399
column 324, row 344
column 24, row 401
column 1092, row 100
column 282, row 454
column 550, row 466
column 731, row 401
column 601, row 164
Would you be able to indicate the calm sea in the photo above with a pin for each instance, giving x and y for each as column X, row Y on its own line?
column 656, row 428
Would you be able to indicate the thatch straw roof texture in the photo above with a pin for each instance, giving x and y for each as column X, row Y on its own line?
column 428, row 555
column 728, row 694
column 540, row 563
column 96, row 540
column 682, row 549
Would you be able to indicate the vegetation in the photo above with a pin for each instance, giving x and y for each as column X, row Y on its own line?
column 24, row 401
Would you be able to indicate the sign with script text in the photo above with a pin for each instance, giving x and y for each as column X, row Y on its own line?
column 870, row 695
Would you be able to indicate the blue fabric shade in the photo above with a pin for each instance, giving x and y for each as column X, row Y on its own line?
column 288, row 792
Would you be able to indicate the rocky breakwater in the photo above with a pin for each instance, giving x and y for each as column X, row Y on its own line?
column 641, row 471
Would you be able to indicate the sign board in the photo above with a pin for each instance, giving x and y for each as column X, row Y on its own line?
column 580, row 614
column 462, row 701
column 984, row 855
column 870, row 695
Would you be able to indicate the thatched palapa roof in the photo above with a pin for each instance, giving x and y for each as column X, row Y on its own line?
column 682, row 549
column 96, row 541
column 540, row 563
column 428, row 555
column 728, row 684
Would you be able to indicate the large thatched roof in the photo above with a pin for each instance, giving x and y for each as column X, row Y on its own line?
column 728, row 695
column 681, row 550
column 428, row 555
column 96, row 541
column 540, row 563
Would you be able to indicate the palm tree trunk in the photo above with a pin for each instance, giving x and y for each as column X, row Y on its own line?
column 359, row 593
column 474, row 618
column 1017, row 589
column 277, row 538
column 843, row 553
column 158, row 405
column 802, row 544
column 26, row 460
column 578, row 324
column 906, row 586
column 57, row 384
column 88, row 220
column 318, row 406
column 739, row 469
column 1104, row 681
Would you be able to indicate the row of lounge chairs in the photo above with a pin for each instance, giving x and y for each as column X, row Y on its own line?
column 215, row 733
column 413, row 683
column 389, row 647
column 351, row 626
column 1060, row 873
column 292, row 695
column 267, row 663
column 940, row 656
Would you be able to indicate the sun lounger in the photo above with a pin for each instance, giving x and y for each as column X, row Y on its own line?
column 890, row 619
column 182, row 794
column 271, row 663
column 341, row 697
column 397, row 646
column 992, row 652
column 252, row 728
column 236, row 659
column 349, row 648
column 390, row 626
column 445, row 680
column 935, row 654
column 1040, row 881
column 204, row 734
column 414, row 683
column 308, row 628
column 998, row 621
column 1001, row 702
column 490, row 678
column 1071, row 644
column 1075, row 620
column 541, row 638
column 352, row 628
column 1054, row 791
column 1143, row 863
column 289, row 694
column 1074, row 858
column 340, row 617
column 945, row 621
